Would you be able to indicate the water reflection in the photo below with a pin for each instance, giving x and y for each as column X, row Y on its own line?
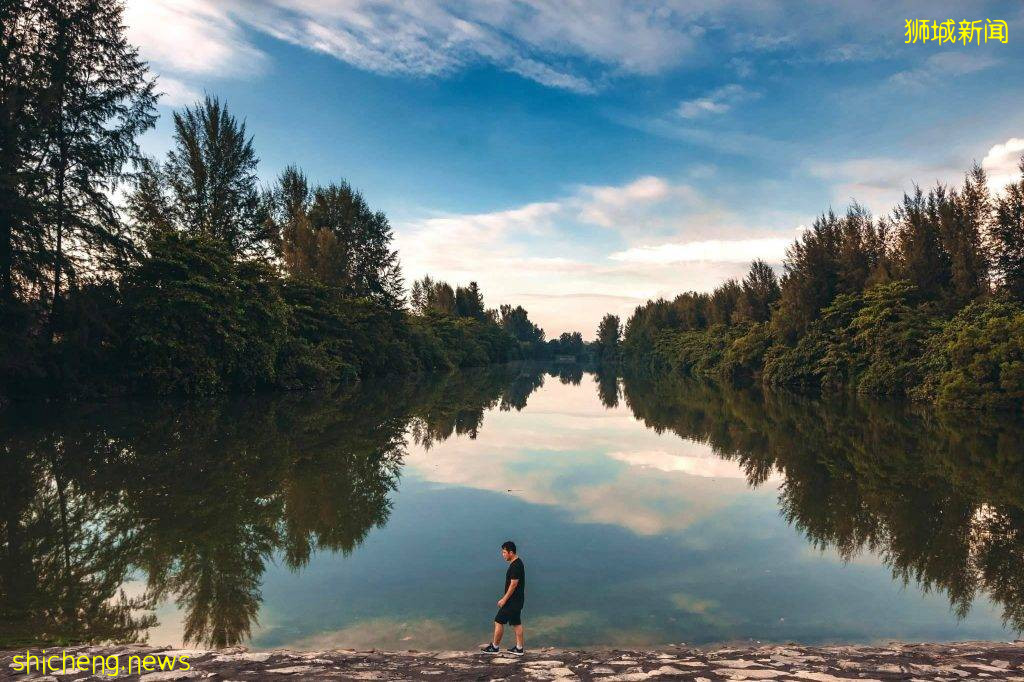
column 940, row 497
column 193, row 502
column 200, row 497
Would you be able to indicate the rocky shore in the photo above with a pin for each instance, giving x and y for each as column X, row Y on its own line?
column 947, row 662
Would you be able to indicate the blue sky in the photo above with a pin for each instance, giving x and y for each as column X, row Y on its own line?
column 581, row 157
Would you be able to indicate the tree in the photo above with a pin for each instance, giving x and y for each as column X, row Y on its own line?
column 208, row 181
column 418, row 294
column 330, row 234
column 921, row 255
column 609, row 335
column 290, row 230
column 469, row 302
column 812, row 276
column 1007, row 236
column 516, row 321
column 759, row 292
column 570, row 343
column 22, row 248
column 98, row 98
column 723, row 302
column 965, row 227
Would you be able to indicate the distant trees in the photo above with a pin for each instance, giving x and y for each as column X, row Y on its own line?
column 567, row 343
column 609, row 335
column 516, row 321
column 869, row 303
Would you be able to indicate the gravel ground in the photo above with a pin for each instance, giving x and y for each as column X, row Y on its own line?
column 948, row 662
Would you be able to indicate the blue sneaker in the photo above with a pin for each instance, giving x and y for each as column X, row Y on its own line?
column 491, row 649
column 516, row 651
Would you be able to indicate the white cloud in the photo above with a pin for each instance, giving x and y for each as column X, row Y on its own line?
column 769, row 249
column 175, row 93
column 644, row 492
column 1002, row 163
column 191, row 37
column 703, row 465
column 879, row 183
column 718, row 101
column 608, row 206
column 572, row 46
column 941, row 66
column 598, row 249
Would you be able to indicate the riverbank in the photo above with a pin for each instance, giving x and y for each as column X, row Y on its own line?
column 893, row 661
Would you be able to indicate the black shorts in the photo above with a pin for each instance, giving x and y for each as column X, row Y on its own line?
column 509, row 615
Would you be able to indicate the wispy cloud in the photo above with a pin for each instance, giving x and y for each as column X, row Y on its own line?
column 941, row 66
column 770, row 249
column 174, row 92
column 879, row 183
column 565, row 45
column 718, row 101
column 191, row 38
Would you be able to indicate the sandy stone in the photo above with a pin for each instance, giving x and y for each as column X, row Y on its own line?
column 169, row 675
column 825, row 677
column 737, row 663
column 292, row 669
column 747, row 674
column 985, row 667
column 256, row 657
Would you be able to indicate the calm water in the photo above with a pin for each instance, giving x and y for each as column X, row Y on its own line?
column 646, row 512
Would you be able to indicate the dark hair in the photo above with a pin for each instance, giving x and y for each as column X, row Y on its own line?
column 509, row 545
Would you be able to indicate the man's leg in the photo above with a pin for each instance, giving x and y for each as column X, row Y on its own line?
column 519, row 635
column 499, row 630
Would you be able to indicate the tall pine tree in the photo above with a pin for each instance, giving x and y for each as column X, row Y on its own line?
column 97, row 98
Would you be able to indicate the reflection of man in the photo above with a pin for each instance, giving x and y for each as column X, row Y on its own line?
column 511, row 603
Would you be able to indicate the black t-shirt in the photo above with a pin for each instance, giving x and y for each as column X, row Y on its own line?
column 516, row 571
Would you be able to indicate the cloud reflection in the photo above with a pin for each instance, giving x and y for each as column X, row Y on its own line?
column 565, row 449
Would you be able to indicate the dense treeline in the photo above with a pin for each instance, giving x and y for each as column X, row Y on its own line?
column 926, row 303
column 196, row 279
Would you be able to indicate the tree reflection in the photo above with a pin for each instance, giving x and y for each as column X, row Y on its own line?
column 196, row 498
column 940, row 497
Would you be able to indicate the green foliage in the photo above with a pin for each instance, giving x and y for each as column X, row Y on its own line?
column 198, row 322
column 743, row 359
column 889, row 334
column 977, row 360
column 609, row 337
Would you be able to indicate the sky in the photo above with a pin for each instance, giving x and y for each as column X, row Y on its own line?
column 580, row 157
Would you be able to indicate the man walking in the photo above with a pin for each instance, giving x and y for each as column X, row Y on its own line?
column 511, row 603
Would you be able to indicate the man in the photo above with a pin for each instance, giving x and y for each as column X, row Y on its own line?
column 511, row 603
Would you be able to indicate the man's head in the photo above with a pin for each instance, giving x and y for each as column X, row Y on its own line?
column 508, row 550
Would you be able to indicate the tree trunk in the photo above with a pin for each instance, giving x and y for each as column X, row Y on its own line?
column 6, row 258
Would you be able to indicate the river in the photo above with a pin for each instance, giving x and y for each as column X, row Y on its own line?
column 646, row 511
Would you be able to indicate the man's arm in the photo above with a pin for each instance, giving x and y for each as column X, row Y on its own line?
column 508, row 593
